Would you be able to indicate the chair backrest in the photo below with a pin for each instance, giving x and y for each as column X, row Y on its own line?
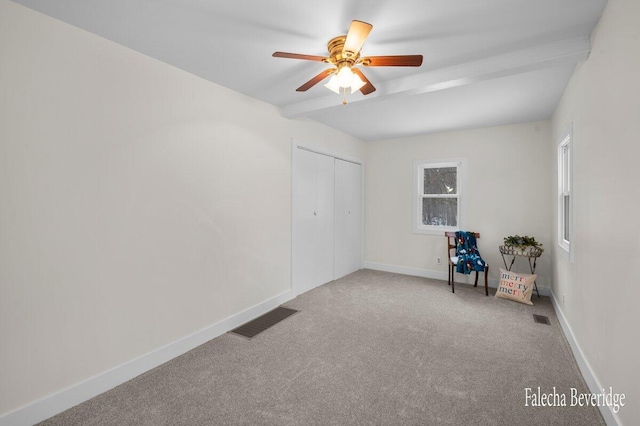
column 452, row 244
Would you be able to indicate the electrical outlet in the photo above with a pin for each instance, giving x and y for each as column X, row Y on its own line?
column 438, row 261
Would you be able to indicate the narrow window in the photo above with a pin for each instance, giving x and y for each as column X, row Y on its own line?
column 437, row 195
column 564, row 191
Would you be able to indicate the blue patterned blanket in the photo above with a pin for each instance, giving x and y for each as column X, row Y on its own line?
column 468, row 255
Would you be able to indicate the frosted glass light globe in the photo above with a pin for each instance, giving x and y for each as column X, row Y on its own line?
column 333, row 84
column 356, row 83
column 345, row 77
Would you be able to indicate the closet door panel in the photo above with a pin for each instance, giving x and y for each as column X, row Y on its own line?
column 313, row 220
column 304, row 221
column 324, row 215
column 348, row 222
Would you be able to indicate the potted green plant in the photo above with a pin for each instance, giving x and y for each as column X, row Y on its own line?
column 524, row 245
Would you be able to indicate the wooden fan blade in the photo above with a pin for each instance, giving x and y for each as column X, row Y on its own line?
column 367, row 88
column 315, row 80
column 392, row 61
column 299, row 56
column 358, row 33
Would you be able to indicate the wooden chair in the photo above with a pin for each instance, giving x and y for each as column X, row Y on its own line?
column 453, row 262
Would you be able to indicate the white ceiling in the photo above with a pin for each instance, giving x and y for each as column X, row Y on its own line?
column 486, row 62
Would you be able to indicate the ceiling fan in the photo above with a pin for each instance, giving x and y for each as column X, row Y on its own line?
column 344, row 56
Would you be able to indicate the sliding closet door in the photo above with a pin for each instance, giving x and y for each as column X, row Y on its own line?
column 313, row 220
column 325, row 218
column 348, row 222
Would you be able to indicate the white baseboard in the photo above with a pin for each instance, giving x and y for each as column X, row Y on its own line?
column 62, row 400
column 406, row 270
column 585, row 368
column 437, row 275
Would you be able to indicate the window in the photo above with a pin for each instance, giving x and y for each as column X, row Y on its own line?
column 564, row 191
column 438, row 204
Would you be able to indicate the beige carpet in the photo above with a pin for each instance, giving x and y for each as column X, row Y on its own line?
column 371, row 348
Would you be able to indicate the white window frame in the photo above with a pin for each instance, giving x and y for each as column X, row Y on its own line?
column 418, row 193
column 565, row 190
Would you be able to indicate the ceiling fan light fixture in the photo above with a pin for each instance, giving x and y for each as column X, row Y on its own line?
column 344, row 56
column 333, row 84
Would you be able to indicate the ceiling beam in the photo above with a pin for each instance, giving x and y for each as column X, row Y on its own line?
column 518, row 62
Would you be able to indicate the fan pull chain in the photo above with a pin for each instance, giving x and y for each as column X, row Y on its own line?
column 344, row 96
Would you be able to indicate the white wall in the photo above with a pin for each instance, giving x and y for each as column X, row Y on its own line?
column 508, row 175
column 139, row 203
column 601, row 286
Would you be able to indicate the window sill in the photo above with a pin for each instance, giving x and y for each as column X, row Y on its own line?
column 434, row 231
column 564, row 251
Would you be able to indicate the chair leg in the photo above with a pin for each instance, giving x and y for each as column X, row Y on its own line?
column 475, row 284
column 449, row 276
column 453, row 288
column 486, row 282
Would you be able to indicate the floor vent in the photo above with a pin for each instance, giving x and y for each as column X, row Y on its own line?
column 260, row 324
column 541, row 319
